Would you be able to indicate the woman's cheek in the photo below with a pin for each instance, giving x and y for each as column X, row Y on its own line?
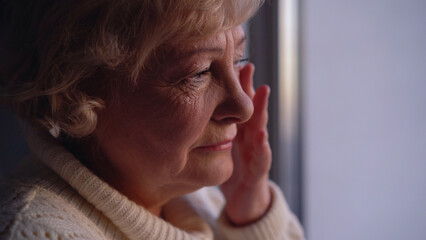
column 187, row 108
column 179, row 114
column 192, row 91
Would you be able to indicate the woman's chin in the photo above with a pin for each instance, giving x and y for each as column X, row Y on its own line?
column 221, row 175
column 212, row 171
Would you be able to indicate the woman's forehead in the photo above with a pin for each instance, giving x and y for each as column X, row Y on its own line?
column 216, row 43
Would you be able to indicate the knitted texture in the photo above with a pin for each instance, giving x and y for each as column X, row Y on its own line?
column 54, row 196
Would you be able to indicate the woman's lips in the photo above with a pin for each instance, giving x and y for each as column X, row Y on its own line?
column 224, row 145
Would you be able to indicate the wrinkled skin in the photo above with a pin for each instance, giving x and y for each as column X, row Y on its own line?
column 197, row 123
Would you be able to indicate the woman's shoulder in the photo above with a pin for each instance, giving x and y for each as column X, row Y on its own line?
column 38, row 204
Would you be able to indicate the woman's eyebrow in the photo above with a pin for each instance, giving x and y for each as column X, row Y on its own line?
column 241, row 42
column 212, row 49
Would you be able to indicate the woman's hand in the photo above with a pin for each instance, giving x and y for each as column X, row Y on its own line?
column 247, row 193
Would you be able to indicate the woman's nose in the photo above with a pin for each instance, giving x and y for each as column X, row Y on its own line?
column 235, row 105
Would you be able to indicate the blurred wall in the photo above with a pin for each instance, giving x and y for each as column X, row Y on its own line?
column 13, row 147
column 364, row 77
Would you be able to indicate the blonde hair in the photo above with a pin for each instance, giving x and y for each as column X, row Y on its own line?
column 66, row 58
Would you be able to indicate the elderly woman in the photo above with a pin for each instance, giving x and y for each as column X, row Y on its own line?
column 134, row 110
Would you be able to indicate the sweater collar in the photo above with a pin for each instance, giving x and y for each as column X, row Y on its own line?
column 132, row 219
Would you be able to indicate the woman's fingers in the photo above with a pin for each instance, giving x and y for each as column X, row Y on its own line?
column 262, row 154
column 259, row 118
column 246, row 79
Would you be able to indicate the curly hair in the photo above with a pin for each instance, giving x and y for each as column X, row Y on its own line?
column 63, row 59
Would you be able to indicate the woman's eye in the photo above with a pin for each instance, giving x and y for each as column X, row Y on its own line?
column 201, row 74
column 198, row 78
column 241, row 62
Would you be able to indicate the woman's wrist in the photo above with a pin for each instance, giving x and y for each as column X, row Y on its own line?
column 249, row 203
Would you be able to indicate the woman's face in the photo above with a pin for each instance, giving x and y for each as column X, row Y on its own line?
column 174, row 133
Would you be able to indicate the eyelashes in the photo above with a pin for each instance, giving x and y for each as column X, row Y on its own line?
column 237, row 64
column 241, row 62
column 202, row 73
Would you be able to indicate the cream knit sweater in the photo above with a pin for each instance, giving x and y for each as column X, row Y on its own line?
column 54, row 196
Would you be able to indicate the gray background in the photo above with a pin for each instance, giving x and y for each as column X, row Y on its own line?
column 364, row 77
column 12, row 144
